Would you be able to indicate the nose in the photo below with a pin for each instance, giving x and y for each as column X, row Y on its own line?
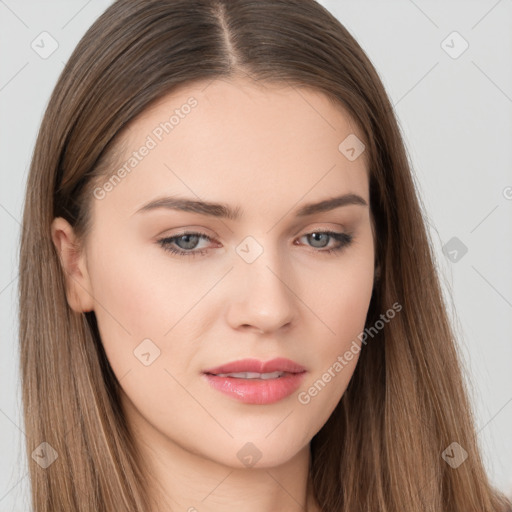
column 264, row 299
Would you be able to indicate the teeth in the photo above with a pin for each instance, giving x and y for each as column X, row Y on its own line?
column 252, row 375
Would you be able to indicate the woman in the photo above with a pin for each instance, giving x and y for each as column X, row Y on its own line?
column 228, row 297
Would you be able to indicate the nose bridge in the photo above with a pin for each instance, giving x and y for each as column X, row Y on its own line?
column 266, row 298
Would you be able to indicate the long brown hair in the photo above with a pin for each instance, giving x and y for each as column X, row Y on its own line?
column 405, row 404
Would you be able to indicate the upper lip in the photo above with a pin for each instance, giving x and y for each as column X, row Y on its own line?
column 279, row 364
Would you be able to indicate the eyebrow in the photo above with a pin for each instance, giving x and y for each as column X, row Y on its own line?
column 227, row 212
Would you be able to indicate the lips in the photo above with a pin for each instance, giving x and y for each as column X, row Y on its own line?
column 256, row 382
column 279, row 364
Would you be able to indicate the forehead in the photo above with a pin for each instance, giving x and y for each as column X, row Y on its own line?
column 239, row 140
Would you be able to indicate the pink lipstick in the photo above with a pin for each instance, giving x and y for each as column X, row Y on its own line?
column 256, row 382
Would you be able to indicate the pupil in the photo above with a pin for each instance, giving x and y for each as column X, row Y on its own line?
column 187, row 241
column 316, row 235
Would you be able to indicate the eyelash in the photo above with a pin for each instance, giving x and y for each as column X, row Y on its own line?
column 344, row 238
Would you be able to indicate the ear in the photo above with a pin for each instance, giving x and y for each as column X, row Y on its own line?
column 73, row 262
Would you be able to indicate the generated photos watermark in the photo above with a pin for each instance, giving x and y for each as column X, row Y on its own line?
column 343, row 360
column 152, row 140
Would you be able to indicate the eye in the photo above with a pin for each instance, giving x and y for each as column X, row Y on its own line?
column 187, row 242
column 320, row 237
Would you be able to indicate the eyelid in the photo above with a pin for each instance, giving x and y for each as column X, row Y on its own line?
column 338, row 227
column 196, row 230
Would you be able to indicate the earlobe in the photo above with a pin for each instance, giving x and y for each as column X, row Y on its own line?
column 73, row 264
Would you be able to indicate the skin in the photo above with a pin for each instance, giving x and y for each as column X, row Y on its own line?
column 268, row 149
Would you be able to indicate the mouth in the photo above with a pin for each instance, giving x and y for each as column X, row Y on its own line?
column 255, row 382
column 252, row 375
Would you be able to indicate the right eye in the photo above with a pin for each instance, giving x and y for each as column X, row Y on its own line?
column 187, row 238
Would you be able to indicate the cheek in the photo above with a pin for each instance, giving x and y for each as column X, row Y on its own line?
column 150, row 309
column 141, row 309
column 336, row 352
column 139, row 294
column 340, row 298
column 132, row 301
column 341, row 303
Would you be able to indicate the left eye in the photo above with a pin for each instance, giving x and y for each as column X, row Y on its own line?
column 190, row 239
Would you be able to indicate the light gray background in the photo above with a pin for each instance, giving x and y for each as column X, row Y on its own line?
column 456, row 118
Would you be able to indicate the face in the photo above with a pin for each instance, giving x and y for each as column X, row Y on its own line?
column 178, row 292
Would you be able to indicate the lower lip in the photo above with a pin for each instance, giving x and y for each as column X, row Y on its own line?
column 257, row 391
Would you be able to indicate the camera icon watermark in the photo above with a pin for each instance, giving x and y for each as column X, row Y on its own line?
column 454, row 45
column 44, row 45
column 45, row 455
column 454, row 249
column 351, row 147
column 147, row 352
column 249, row 454
column 249, row 249
column 454, row 455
